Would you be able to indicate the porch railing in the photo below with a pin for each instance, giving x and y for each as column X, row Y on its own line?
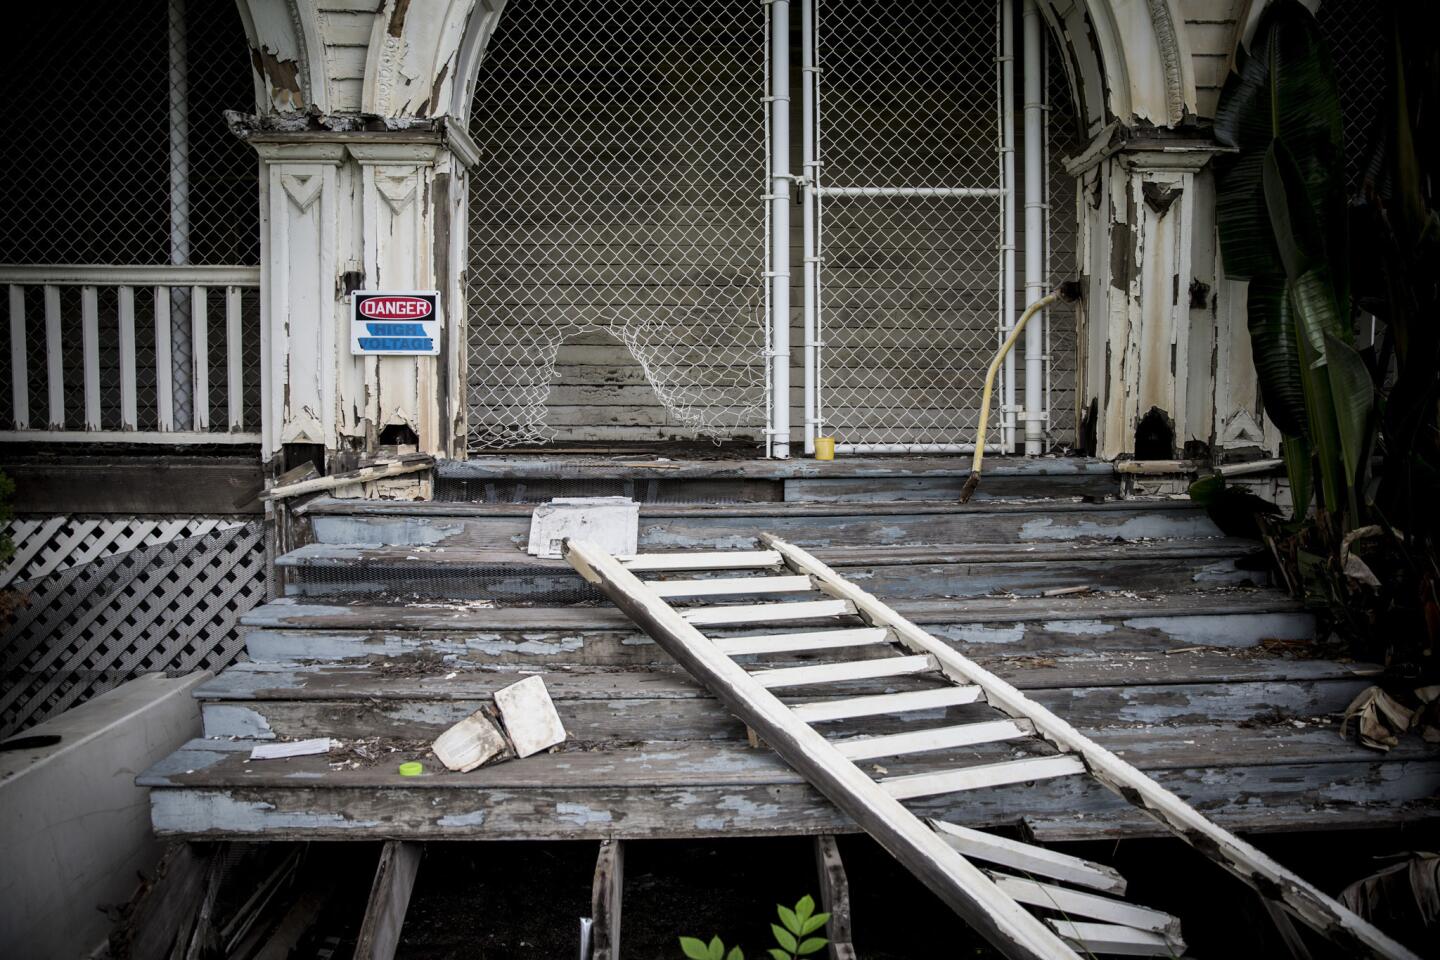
column 132, row 354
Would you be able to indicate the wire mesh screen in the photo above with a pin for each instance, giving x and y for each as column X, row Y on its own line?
column 90, row 603
column 909, row 285
column 1063, row 140
column 619, row 194
column 119, row 150
column 1356, row 33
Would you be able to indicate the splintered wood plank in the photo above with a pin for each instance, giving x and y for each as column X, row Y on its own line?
column 1306, row 901
column 730, row 586
column 389, row 899
column 936, row 738
column 957, row 882
column 837, row 672
column 886, row 703
column 705, row 560
column 800, row 642
column 983, row 775
column 834, row 898
column 606, row 900
column 1114, row 940
column 1091, row 906
column 1030, row 858
column 767, row 612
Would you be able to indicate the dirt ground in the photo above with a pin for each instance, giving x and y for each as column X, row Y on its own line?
column 524, row 901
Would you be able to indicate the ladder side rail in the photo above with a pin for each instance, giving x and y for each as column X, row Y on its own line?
column 1305, row 901
column 963, row 886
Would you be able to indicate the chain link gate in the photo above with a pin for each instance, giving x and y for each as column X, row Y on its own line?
column 908, row 304
column 623, row 162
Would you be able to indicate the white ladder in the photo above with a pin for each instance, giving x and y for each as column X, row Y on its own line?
column 1019, row 878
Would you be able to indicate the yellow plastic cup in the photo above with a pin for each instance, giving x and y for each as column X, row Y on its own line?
column 824, row 448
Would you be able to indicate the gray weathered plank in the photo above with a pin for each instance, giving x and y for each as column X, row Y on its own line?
column 389, row 899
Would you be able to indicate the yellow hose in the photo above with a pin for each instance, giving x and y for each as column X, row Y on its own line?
column 974, row 480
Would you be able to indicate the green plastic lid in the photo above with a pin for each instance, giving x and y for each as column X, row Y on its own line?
column 412, row 768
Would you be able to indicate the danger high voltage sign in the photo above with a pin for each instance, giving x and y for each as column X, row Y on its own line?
column 394, row 322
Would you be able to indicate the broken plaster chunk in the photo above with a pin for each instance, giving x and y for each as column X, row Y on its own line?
column 611, row 523
column 530, row 716
column 296, row 748
column 469, row 743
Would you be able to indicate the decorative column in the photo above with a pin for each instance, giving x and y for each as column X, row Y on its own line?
column 1148, row 330
column 348, row 211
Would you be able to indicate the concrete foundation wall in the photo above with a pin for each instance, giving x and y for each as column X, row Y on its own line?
column 74, row 828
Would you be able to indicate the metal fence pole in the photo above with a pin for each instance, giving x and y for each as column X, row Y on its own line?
column 780, row 226
column 1034, row 233
column 181, row 347
column 811, row 170
column 1007, row 245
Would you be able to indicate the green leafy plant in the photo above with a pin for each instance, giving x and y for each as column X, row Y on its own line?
column 795, row 936
column 1361, row 445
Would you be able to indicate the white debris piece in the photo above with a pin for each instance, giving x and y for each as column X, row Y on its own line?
column 298, row 748
column 612, row 523
column 469, row 743
column 530, row 716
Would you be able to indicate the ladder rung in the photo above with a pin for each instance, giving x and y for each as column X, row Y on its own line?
column 1036, row 860
column 715, row 560
column 1106, row 938
column 935, row 738
column 847, row 670
column 797, row 642
column 886, row 703
column 768, row 612
column 1092, row 906
column 730, row 586
column 983, row 775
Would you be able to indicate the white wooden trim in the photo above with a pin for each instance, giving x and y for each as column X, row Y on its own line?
column 115, row 275
column 1307, row 902
column 90, row 334
column 20, row 362
column 934, row 738
column 1036, row 860
column 798, row 642
column 1111, row 939
column 714, row 560
column 129, row 408
column 1092, row 906
column 730, row 586
column 953, row 878
column 178, row 438
column 840, row 672
column 54, row 359
column 234, row 361
column 164, row 373
column 982, row 775
column 886, row 703
column 768, row 612
column 199, row 359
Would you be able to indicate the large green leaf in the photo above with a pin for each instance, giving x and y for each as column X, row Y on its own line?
column 1353, row 394
column 1300, row 470
column 1283, row 89
column 1319, row 412
column 1272, row 345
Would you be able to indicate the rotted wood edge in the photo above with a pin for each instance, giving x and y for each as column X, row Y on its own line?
column 1013, row 931
column 1272, row 881
column 834, row 898
column 389, row 899
column 605, row 900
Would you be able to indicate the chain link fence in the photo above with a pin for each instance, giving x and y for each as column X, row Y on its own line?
column 623, row 162
column 910, row 284
column 96, row 94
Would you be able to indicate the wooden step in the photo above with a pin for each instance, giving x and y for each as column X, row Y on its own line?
column 207, row 790
column 974, row 570
column 1032, row 859
column 775, row 643
column 702, row 527
column 1075, row 903
column 309, row 629
column 731, row 586
column 758, row 613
